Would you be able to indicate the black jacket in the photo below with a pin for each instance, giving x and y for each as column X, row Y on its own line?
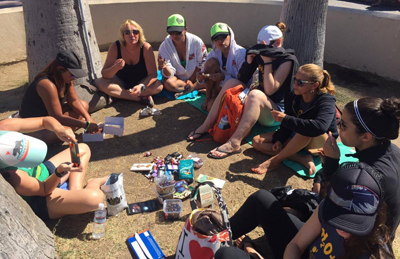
column 318, row 119
column 385, row 158
column 281, row 56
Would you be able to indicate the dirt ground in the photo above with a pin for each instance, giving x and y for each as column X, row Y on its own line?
column 163, row 135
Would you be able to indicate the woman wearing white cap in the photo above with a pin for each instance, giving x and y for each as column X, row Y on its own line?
column 276, row 69
column 53, row 188
column 223, row 62
column 52, row 93
column 180, row 56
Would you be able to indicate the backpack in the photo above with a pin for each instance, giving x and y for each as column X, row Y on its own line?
column 232, row 107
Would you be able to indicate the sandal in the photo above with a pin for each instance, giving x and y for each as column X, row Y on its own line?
column 199, row 138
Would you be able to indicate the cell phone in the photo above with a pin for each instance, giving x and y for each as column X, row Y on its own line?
column 75, row 156
column 140, row 207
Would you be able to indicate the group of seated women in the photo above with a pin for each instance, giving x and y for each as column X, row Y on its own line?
column 299, row 99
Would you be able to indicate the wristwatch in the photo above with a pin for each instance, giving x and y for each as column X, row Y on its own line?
column 143, row 87
column 60, row 175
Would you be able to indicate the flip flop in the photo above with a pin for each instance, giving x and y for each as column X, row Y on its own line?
column 200, row 138
column 210, row 155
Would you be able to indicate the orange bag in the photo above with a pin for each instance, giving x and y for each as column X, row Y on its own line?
column 232, row 107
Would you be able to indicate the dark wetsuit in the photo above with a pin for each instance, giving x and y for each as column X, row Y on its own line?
column 131, row 75
column 32, row 104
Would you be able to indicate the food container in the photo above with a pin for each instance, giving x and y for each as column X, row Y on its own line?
column 162, row 197
column 164, row 185
column 172, row 208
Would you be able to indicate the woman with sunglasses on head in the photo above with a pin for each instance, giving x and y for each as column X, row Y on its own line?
column 310, row 113
column 180, row 56
column 52, row 93
column 276, row 68
column 223, row 62
column 130, row 70
column 368, row 124
column 349, row 223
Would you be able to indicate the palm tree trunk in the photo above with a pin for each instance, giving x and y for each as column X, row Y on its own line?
column 305, row 21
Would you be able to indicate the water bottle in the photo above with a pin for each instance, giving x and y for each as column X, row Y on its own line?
column 99, row 222
column 223, row 123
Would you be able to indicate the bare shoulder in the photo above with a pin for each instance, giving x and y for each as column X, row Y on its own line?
column 46, row 84
column 147, row 47
column 112, row 50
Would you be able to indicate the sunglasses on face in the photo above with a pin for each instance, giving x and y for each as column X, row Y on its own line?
column 220, row 38
column 128, row 32
column 301, row 83
column 176, row 33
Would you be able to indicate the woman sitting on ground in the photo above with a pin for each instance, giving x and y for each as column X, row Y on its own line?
column 180, row 57
column 130, row 70
column 52, row 93
column 37, row 182
column 348, row 223
column 368, row 125
column 223, row 62
column 275, row 75
column 309, row 115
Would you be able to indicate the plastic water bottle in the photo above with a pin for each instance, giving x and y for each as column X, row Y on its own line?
column 99, row 222
column 223, row 123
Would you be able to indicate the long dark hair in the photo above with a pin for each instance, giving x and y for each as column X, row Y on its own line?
column 52, row 71
column 381, row 116
column 355, row 246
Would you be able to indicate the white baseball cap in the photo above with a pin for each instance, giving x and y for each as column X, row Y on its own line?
column 269, row 33
column 20, row 150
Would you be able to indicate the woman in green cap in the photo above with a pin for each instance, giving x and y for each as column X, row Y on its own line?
column 180, row 57
column 223, row 62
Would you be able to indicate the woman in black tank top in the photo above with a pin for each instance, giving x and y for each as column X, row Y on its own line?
column 52, row 93
column 130, row 70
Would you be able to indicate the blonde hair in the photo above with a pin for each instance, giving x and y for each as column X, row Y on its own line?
column 316, row 74
column 142, row 38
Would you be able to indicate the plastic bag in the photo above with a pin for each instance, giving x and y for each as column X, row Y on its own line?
column 115, row 194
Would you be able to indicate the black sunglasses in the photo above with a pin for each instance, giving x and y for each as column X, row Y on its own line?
column 301, row 83
column 177, row 33
column 128, row 32
column 220, row 38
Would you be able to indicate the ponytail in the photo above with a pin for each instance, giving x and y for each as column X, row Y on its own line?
column 316, row 74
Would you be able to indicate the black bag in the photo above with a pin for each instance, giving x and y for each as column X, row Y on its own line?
column 96, row 99
column 301, row 200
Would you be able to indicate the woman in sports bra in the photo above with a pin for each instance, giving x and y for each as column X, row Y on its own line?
column 130, row 70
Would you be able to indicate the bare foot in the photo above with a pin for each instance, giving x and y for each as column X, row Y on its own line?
column 248, row 248
column 225, row 150
column 306, row 161
column 265, row 167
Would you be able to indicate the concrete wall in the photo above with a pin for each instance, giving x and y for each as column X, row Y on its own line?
column 355, row 38
column 12, row 35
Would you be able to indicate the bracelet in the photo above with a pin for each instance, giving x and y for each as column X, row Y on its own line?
column 87, row 125
column 143, row 87
column 267, row 63
column 60, row 175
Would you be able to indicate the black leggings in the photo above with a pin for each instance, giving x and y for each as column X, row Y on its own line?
column 262, row 208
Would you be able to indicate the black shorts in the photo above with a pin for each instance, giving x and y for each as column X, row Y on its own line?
column 38, row 203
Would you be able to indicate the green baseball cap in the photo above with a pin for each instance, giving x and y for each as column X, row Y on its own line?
column 219, row 29
column 176, row 22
